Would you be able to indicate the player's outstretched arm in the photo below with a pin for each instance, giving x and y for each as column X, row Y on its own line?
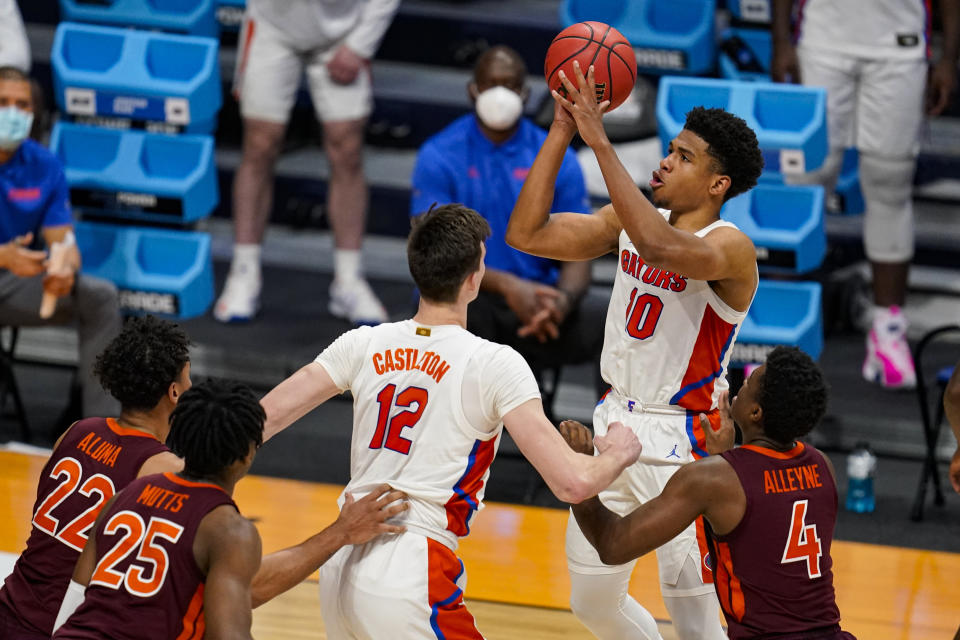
column 723, row 254
column 705, row 487
column 573, row 477
column 561, row 236
column 295, row 397
column 228, row 547
column 360, row 521
column 951, row 408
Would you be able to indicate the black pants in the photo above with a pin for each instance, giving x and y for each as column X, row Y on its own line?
column 580, row 340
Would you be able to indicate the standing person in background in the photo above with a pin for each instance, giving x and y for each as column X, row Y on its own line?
column 951, row 408
column 684, row 282
column 14, row 46
column 147, row 369
column 334, row 41
column 35, row 205
column 872, row 57
column 535, row 305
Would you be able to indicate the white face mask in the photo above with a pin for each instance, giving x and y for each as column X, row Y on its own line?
column 499, row 108
column 14, row 127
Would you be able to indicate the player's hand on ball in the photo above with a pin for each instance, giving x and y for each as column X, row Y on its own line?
column 621, row 439
column 364, row 519
column 722, row 438
column 577, row 436
column 580, row 101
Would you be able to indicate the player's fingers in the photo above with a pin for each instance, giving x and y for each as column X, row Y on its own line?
column 569, row 86
column 581, row 79
column 391, row 511
column 392, row 528
column 705, row 423
column 391, row 497
column 551, row 329
column 603, row 106
column 348, row 499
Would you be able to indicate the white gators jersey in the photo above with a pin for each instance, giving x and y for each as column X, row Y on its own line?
column 878, row 29
column 668, row 338
column 428, row 407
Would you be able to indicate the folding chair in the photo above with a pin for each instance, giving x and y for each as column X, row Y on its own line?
column 931, row 426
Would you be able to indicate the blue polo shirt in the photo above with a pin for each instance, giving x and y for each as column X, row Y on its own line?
column 459, row 164
column 33, row 192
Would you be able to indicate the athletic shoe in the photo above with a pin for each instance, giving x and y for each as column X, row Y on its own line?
column 240, row 300
column 889, row 361
column 357, row 303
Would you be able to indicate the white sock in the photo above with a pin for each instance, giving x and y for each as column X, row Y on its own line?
column 346, row 265
column 246, row 261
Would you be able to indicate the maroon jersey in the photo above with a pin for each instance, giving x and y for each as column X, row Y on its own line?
column 96, row 458
column 146, row 582
column 773, row 571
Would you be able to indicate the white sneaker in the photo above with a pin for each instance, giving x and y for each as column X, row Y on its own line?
column 357, row 303
column 240, row 299
column 889, row 361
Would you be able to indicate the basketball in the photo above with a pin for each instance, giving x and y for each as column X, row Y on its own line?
column 599, row 44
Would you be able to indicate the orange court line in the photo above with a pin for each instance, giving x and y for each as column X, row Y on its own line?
column 515, row 555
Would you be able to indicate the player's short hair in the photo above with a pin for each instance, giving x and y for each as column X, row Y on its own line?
column 139, row 365
column 444, row 248
column 792, row 394
column 213, row 426
column 731, row 143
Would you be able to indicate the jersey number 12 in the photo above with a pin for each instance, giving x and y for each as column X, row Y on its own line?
column 389, row 427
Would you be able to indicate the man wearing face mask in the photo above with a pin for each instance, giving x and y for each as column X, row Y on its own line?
column 35, row 205
column 535, row 305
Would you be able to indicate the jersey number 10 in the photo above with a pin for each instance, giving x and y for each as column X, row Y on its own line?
column 643, row 314
column 390, row 427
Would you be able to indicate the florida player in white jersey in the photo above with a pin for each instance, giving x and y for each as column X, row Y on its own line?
column 430, row 400
column 684, row 283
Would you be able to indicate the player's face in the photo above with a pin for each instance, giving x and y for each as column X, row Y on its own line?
column 745, row 402
column 683, row 181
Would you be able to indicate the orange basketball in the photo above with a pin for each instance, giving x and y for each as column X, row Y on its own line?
column 599, row 44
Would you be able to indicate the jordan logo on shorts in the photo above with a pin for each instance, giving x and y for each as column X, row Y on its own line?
column 674, row 453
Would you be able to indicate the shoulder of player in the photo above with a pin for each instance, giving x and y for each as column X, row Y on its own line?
column 163, row 462
column 707, row 477
column 224, row 532
column 826, row 460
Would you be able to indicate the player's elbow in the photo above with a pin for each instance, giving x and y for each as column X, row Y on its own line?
column 575, row 490
column 515, row 239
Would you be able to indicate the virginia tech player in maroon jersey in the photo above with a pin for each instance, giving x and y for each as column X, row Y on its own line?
column 145, row 367
column 770, row 507
column 171, row 558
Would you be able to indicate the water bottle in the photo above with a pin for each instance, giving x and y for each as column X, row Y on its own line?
column 861, row 466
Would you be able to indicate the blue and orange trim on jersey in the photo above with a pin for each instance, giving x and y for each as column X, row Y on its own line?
column 464, row 503
column 449, row 618
column 705, row 365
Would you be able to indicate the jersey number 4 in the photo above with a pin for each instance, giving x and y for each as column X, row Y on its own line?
column 803, row 543
column 389, row 427
column 643, row 314
column 143, row 536
column 70, row 473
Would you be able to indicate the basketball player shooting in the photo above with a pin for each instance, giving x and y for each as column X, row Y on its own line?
column 684, row 284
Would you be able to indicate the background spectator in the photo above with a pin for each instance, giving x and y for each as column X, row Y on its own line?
column 871, row 55
column 35, row 206
column 534, row 305
column 334, row 41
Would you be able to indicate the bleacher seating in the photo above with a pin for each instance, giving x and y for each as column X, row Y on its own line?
column 668, row 37
column 191, row 17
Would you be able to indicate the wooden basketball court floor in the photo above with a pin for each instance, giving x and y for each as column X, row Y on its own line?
column 517, row 579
